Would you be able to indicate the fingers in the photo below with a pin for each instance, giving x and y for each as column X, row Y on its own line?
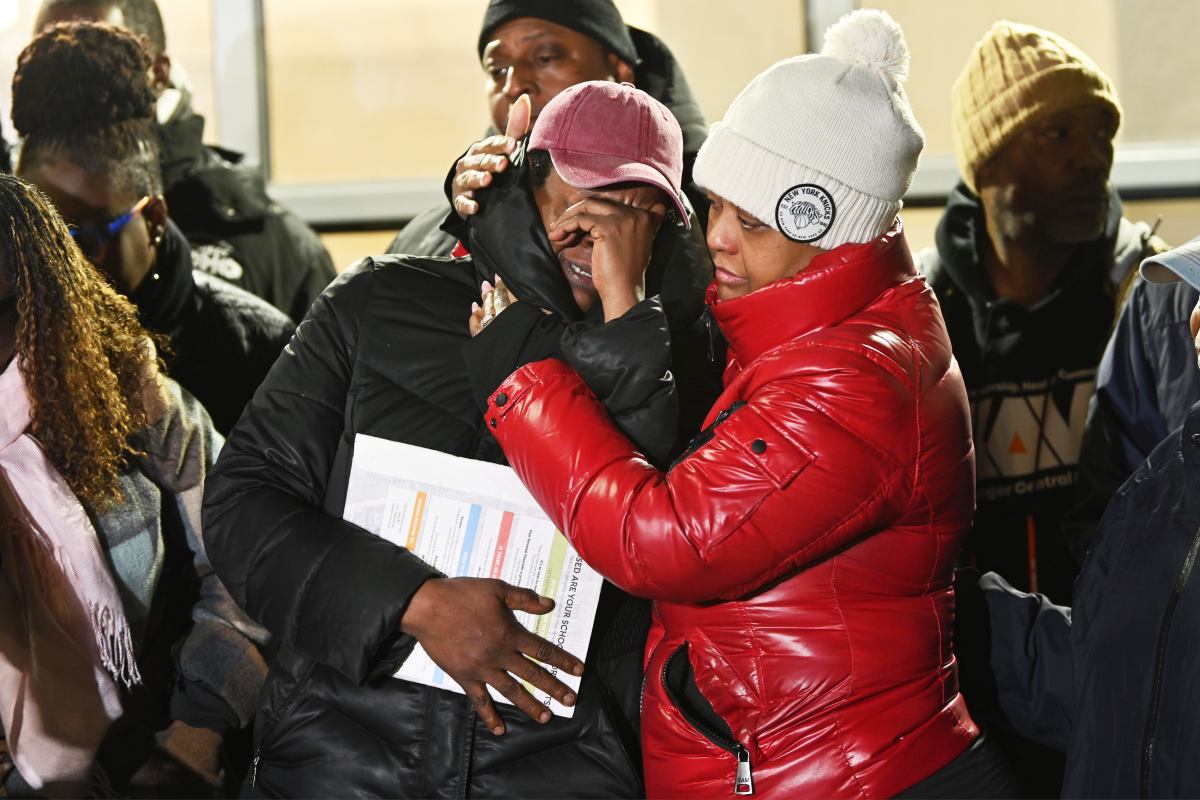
column 464, row 206
column 477, row 693
column 567, row 226
column 478, row 165
column 501, row 298
column 475, row 323
column 534, row 675
column 494, row 145
column 516, row 693
column 519, row 599
column 474, row 171
column 592, row 215
column 658, row 211
column 540, row 678
column 495, row 299
column 539, row 649
column 519, row 117
column 489, row 303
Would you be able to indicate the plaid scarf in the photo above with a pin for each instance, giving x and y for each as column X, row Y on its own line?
column 64, row 640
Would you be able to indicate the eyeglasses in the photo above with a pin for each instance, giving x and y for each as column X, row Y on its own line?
column 94, row 239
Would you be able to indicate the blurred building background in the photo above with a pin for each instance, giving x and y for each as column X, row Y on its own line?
column 357, row 108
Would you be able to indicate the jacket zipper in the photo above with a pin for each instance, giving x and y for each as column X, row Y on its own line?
column 645, row 677
column 1164, row 634
column 743, row 781
column 292, row 698
column 708, row 327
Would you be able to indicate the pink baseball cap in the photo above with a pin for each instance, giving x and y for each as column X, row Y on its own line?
column 599, row 133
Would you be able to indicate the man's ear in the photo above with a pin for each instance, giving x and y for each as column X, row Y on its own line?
column 160, row 72
column 619, row 69
column 155, row 214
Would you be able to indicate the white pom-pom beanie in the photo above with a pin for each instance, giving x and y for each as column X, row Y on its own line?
column 822, row 147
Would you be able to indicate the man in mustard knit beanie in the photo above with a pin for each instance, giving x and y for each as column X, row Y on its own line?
column 1032, row 257
column 1031, row 262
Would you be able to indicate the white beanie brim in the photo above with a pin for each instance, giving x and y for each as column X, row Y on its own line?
column 762, row 183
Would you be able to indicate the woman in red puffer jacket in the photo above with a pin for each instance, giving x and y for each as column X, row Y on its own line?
column 800, row 553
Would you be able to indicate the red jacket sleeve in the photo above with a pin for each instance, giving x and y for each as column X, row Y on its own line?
column 781, row 483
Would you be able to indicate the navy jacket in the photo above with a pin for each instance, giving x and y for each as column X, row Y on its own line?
column 1146, row 383
column 1112, row 679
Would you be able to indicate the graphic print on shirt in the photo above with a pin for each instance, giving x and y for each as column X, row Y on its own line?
column 1028, row 434
column 218, row 259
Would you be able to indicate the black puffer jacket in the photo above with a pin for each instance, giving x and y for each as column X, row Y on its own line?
column 382, row 353
column 658, row 74
column 237, row 231
column 222, row 339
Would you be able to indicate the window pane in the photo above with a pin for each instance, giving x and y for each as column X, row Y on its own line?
column 1147, row 48
column 189, row 42
column 16, row 25
column 380, row 90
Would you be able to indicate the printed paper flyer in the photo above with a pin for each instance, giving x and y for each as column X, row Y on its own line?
column 474, row 519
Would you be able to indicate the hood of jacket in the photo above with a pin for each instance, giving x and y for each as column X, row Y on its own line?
column 836, row 285
column 962, row 230
column 660, row 75
column 507, row 238
column 207, row 187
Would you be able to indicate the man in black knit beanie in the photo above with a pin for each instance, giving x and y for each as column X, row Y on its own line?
column 539, row 48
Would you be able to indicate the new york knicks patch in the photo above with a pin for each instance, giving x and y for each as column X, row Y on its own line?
column 805, row 213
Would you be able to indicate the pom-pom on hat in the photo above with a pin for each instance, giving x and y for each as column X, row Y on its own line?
column 822, row 147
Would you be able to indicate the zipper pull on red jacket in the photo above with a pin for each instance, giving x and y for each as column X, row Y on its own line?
column 743, row 783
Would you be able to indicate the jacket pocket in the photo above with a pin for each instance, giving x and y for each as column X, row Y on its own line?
column 679, row 682
column 745, row 459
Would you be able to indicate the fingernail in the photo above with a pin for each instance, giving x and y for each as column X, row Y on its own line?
column 496, row 277
column 474, row 307
column 487, row 287
column 578, row 670
column 498, row 731
column 544, row 718
column 569, row 700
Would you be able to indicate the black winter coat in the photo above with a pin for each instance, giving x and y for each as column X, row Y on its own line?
column 660, row 75
column 238, row 233
column 1112, row 680
column 222, row 339
column 382, row 353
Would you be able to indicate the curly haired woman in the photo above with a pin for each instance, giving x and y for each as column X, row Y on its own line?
column 83, row 105
column 102, row 462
